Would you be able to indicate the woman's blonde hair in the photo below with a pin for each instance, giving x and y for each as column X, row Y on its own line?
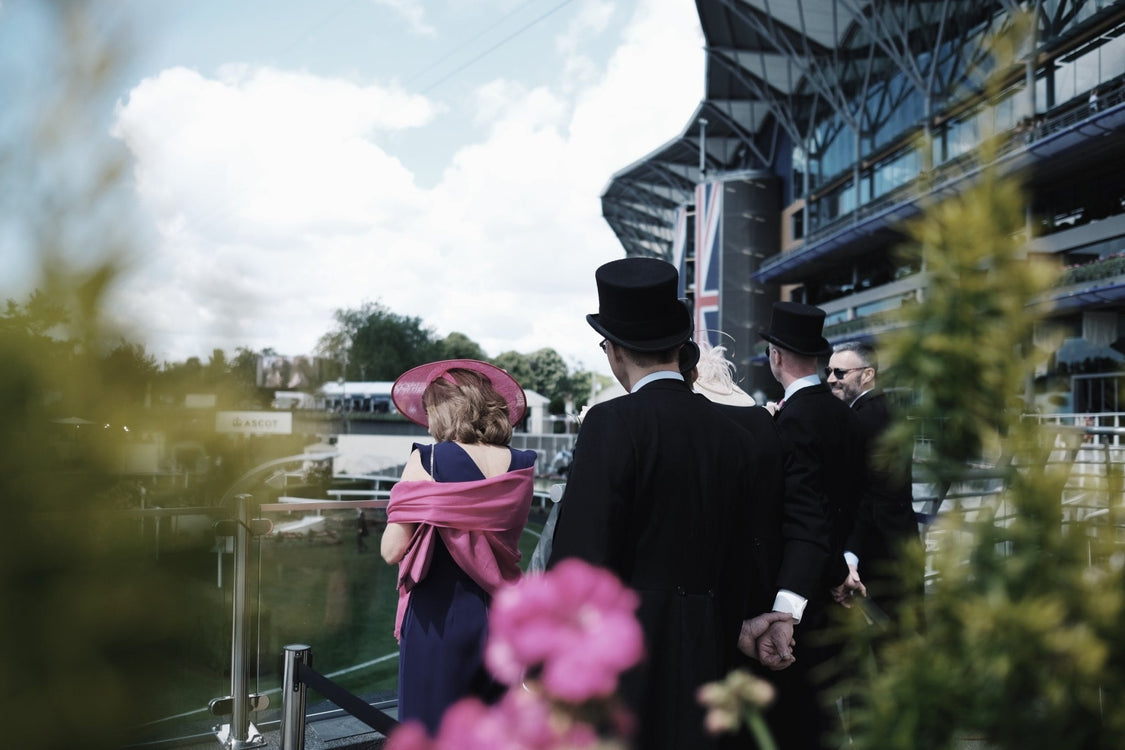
column 467, row 409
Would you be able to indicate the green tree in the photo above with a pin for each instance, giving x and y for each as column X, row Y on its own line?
column 36, row 317
column 179, row 378
column 217, row 370
column 38, row 321
column 377, row 344
column 550, row 377
column 132, row 371
column 584, row 383
column 459, row 346
column 244, row 379
column 518, row 366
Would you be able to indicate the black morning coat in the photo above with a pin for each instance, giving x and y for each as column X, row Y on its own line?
column 664, row 492
column 803, row 547
column 885, row 519
column 827, row 447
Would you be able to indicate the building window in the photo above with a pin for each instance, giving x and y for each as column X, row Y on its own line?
column 888, row 303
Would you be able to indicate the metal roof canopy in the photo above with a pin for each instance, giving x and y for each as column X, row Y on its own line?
column 776, row 68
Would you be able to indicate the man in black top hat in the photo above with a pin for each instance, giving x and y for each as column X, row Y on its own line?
column 826, row 445
column 662, row 493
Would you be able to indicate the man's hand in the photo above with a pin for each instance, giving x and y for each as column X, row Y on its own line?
column 768, row 638
column 775, row 648
column 851, row 586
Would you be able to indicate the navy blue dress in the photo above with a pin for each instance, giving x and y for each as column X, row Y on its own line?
column 441, row 652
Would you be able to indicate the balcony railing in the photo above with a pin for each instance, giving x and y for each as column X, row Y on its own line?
column 311, row 578
column 307, row 576
column 953, row 171
column 308, row 581
column 1103, row 268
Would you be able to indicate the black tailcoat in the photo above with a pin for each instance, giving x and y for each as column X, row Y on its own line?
column 827, row 448
column 827, row 451
column 803, row 546
column 885, row 520
column 662, row 492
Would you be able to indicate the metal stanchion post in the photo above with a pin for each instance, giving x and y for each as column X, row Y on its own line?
column 240, row 733
column 293, row 696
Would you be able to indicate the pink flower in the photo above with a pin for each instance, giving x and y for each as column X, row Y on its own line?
column 520, row 721
column 410, row 735
column 576, row 622
column 468, row 724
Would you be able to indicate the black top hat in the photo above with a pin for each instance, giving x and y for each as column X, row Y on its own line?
column 797, row 328
column 638, row 307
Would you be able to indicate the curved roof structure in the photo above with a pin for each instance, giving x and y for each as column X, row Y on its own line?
column 777, row 70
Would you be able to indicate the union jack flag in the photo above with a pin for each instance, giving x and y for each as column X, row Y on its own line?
column 708, row 259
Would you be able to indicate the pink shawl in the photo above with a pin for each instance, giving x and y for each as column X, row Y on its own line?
column 480, row 523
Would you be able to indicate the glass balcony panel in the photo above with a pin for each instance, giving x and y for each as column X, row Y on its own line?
column 321, row 584
column 1087, row 71
column 889, row 303
column 1112, row 58
column 1042, row 88
column 192, row 668
column 1010, row 110
column 963, row 136
column 1064, row 82
column 310, row 582
column 896, row 172
column 847, row 200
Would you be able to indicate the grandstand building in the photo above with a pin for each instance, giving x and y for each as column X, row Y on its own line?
column 793, row 175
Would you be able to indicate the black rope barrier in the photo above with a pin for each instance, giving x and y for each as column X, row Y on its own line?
column 357, row 707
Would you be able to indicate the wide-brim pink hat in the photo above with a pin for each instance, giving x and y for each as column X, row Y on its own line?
column 408, row 389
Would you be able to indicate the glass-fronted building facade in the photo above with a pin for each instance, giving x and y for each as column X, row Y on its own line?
column 827, row 123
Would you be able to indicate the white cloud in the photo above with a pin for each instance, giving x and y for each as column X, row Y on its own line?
column 592, row 20
column 265, row 154
column 413, row 12
column 653, row 84
column 278, row 202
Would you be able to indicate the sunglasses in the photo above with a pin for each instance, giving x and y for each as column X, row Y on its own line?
column 840, row 372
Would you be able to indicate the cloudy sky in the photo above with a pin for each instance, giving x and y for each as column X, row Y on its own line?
column 444, row 158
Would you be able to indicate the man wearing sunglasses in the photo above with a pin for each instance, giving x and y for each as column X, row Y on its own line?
column 885, row 521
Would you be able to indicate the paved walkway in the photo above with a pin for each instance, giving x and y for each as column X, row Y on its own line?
column 336, row 733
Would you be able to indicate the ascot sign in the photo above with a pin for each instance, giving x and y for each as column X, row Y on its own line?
column 254, row 422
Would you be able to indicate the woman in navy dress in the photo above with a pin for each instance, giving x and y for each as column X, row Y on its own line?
column 469, row 407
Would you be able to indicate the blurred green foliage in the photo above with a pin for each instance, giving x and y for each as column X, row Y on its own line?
column 107, row 629
column 83, row 607
column 79, row 612
column 1023, row 639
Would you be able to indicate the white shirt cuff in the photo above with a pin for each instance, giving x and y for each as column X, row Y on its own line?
column 790, row 603
column 851, row 559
